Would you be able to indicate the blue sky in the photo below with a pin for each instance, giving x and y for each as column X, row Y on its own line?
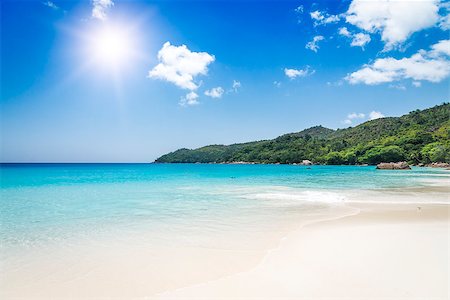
column 127, row 81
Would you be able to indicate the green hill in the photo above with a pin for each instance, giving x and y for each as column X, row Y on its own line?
column 422, row 136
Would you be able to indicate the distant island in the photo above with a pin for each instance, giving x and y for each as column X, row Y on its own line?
column 420, row 137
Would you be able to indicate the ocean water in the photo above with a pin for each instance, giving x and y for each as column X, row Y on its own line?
column 41, row 203
column 62, row 214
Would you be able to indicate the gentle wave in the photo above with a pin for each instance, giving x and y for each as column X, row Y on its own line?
column 294, row 196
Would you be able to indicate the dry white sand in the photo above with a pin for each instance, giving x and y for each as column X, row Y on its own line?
column 384, row 252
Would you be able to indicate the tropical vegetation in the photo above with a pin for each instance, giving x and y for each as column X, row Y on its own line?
column 422, row 136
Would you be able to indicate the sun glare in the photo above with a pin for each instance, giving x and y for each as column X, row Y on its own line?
column 111, row 46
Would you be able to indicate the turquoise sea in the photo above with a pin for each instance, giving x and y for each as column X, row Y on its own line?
column 43, row 203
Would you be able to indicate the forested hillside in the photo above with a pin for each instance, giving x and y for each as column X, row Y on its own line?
column 422, row 136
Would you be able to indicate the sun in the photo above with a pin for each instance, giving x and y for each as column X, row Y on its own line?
column 111, row 46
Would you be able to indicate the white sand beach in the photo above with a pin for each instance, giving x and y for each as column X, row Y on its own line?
column 383, row 252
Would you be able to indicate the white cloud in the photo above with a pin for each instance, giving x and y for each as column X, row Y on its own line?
column 190, row 99
column 236, row 85
column 277, row 83
column 51, row 5
column 359, row 117
column 395, row 20
column 417, row 84
column 299, row 9
column 316, row 15
column 400, row 87
column 293, row 73
column 433, row 66
column 299, row 12
column 344, row 31
column 375, row 115
column 440, row 48
column 332, row 19
column 353, row 116
column 444, row 20
column 179, row 65
column 314, row 44
column 335, row 83
column 370, row 76
column 321, row 18
column 356, row 116
column 347, row 121
column 100, row 8
column 360, row 40
column 216, row 92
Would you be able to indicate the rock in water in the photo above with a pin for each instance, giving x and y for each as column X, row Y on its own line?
column 394, row 166
column 306, row 162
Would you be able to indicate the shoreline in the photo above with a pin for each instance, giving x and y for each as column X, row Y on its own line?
column 248, row 259
column 264, row 258
column 214, row 270
column 434, row 165
column 268, row 280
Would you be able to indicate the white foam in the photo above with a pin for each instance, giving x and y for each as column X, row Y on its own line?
column 294, row 196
